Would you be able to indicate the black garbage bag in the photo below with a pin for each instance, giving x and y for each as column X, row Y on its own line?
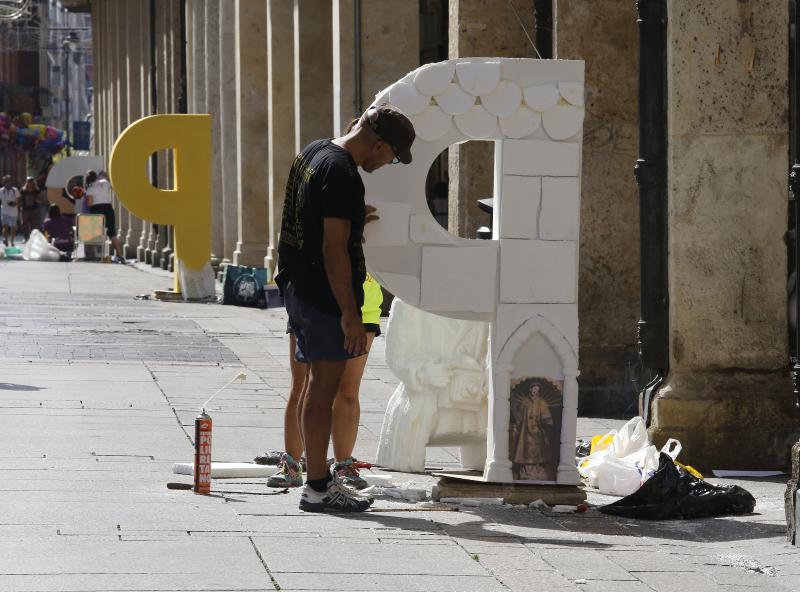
column 674, row 494
column 582, row 449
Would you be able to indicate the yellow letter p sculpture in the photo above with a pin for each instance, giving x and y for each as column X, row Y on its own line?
column 187, row 207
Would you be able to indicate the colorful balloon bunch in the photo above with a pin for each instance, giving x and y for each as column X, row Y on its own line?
column 20, row 133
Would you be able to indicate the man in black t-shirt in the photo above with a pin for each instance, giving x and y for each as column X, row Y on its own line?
column 321, row 274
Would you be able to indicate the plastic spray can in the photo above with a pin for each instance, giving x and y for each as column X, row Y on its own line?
column 202, row 453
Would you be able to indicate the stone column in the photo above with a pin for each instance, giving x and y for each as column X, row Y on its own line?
column 147, row 242
column 313, row 71
column 173, row 57
column 163, row 84
column 121, row 103
column 280, row 73
column 347, row 99
column 479, row 28
column 98, row 56
column 137, row 36
column 609, row 263
column 227, row 110
column 213, row 108
column 195, row 55
column 143, row 73
column 251, row 132
column 389, row 41
column 109, row 34
column 727, row 397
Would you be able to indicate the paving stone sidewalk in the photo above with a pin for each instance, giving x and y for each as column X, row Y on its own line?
column 98, row 392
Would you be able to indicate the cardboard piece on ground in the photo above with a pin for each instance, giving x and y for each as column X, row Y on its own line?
column 471, row 484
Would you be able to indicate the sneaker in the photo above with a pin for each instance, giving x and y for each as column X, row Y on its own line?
column 288, row 475
column 271, row 458
column 336, row 498
column 349, row 474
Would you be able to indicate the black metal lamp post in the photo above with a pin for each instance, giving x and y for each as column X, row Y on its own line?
column 67, row 52
column 651, row 176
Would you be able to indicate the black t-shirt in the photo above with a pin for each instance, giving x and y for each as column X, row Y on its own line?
column 323, row 183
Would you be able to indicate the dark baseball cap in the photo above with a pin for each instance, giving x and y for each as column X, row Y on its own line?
column 393, row 127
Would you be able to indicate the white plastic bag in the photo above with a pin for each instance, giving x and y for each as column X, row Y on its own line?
column 631, row 438
column 616, row 476
column 38, row 249
column 587, row 466
column 631, row 460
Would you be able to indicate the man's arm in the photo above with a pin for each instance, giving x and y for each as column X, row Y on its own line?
column 335, row 235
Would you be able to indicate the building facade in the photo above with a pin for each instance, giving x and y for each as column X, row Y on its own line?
column 275, row 74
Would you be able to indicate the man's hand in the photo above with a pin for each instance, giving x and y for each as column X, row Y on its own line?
column 355, row 335
column 371, row 215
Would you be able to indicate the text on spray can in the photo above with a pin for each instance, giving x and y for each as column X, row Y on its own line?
column 202, row 453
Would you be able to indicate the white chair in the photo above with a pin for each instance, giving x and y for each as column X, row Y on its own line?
column 90, row 231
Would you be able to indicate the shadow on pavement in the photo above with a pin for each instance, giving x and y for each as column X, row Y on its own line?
column 708, row 530
column 8, row 386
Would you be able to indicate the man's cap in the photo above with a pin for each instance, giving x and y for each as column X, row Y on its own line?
column 29, row 178
column 393, row 127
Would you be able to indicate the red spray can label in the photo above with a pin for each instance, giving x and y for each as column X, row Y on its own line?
column 202, row 453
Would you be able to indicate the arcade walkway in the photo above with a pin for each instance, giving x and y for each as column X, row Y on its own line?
column 97, row 396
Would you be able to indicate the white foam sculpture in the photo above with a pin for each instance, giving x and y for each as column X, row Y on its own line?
column 524, row 282
column 441, row 400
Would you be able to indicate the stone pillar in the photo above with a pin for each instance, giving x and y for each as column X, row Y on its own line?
column 728, row 396
column 121, row 103
column 136, row 38
column 389, row 49
column 143, row 72
column 227, row 117
column 195, row 55
column 280, row 73
column 347, row 99
column 251, row 132
column 479, row 28
column 109, row 34
column 213, row 108
column 173, row 85
column 111, row 73
column 147, row 243
column 99, row 55
column 313, row 71
column 163, row 85
column 609, row 262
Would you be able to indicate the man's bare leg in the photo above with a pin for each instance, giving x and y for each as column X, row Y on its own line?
column 317, row 408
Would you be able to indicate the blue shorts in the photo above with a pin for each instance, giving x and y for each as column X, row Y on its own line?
column 10, row 221
column 318, row 335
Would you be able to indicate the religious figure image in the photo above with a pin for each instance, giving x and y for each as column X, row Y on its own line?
column 534, row 428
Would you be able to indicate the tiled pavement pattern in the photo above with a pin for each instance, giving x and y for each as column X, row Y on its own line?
column 97, row 396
